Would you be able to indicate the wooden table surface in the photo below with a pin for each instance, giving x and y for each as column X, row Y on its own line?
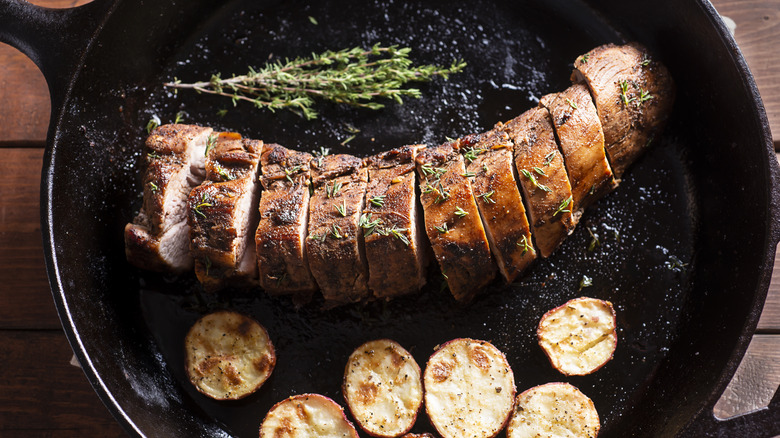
column 43, row 394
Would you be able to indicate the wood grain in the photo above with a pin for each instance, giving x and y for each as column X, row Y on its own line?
column 42, row 395
column 25, row 299
column 758, row 36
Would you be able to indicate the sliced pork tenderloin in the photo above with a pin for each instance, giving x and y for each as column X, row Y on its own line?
column 280, row 240
column 634, row 95
column 223, row 215
column 490, row 165
column 579, row 133
column 158, row 239
column 452, row 221
column 542, row 177
column 396, row 247
column 335, row 243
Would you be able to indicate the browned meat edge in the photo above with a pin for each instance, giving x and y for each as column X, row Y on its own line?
column 490, row 164
column 452, row 221
column 281, row 233
column 335, row 244
column 158, row 237
column 396, row 246
column 223, row 216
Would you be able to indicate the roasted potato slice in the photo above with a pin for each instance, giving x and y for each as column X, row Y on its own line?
column 307, row 416
column 553, row 410
column 469, row 389
column 579, row 337
column 228, row 355
column 383, row 388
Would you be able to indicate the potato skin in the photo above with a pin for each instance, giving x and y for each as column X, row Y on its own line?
column 371, row 354
column 482, row 361
column 228, row 355
column 581, row 328
column 579, row 407
column 292, row 424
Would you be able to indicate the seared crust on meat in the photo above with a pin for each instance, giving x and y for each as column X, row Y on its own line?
column 581, row 139
column 281, row 234
column 542, row 177
column 634, row 95
column 394, row 237
column 158, row 237
column 452, row 221
column 335, row 243
column 489, row 158
column 222, row 213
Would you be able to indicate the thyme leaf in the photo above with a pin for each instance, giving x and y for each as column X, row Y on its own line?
column 342, row 209
column 379, row 200
column 487, row 197
column 563, row 208
column 585, row 282
column 461, row 212
column 533, row 180
column 356, row 77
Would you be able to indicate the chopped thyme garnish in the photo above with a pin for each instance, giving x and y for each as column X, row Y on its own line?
column 471, row 153
column 179, row 117
column 461, row 212
column 152, row 123
column 153, row 154
column 223, row 173
column 333, row 190
column 675, row 264
column 427, row 188
column 441, row 194
column 367, row 224
column 468, row 174
column 288, row 172
column 594, row 240
column 443, row 229
column 210, row 144
column 623, row 91
column 335, row 232
column 585, row 282
column 539, row 171
column 487, row 197
column 428, row 169
column 645, row 60
column 379, row 201
column 222, row 113
column 313, row 20
column 643, row 96
column 348, row 139
column 563, row 208
column 319, row 237
column 523, row 243
column 584, row 58
column 203, row 203
column 548, row 158
column 342, row 209
column 536, row 184
column 396, row 232
column 592, row 189
column 571, row 104
column 207, row 262
column 153, row 186
column 485, row 168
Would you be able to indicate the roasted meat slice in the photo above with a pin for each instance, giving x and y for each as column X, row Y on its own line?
column 281, row 234
column 452, row 220
column 335, row 244
column 396, row 248
column 581, row 139
column 634, row 95
column 158, row 239
column 543, row 178
column 223, row 214
column 489, row 162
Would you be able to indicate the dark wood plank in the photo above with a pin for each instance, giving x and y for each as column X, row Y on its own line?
column 42, row 395
column 25, row 299
column 758, row 36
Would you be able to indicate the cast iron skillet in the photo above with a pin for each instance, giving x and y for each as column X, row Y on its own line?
column 686, row 243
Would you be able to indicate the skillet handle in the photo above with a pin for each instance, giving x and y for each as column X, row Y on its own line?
column 55, row 39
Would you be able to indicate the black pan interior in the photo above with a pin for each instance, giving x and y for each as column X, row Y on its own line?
column 673, row 239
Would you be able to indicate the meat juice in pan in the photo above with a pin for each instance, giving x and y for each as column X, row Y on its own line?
column 512, row 61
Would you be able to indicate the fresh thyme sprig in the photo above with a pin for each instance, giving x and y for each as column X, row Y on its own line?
column 356, row 77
